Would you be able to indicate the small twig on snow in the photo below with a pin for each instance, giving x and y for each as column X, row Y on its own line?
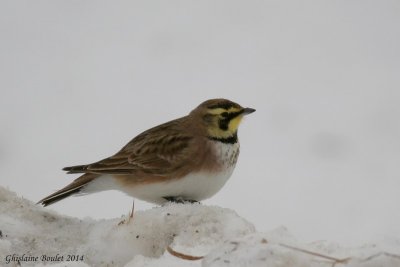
column 336, row 260
column 130, row 215
column 183, row 256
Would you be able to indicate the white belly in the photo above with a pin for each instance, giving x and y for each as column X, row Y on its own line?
column 195, row 186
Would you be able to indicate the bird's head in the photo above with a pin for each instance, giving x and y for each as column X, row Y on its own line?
column 221, row 117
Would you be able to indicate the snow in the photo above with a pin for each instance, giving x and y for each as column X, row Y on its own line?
column 218, row 234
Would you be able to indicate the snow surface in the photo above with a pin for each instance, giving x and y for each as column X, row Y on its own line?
column 218, row 234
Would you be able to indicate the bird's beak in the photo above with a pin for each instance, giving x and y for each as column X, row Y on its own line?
column 248, row 111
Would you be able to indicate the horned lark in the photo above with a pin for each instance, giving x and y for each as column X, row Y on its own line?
column 187, row 159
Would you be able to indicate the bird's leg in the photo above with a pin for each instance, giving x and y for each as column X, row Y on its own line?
column 180, row 200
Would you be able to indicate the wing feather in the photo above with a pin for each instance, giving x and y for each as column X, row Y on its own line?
column 158, row 151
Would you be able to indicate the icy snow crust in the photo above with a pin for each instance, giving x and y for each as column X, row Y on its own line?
column 224, row 238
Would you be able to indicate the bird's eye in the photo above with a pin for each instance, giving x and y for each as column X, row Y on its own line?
column 224, row 114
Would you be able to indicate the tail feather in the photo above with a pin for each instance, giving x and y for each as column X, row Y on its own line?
column 73, row 188
column 76, row 169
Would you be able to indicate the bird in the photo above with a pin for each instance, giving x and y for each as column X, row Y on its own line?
column 188, row 159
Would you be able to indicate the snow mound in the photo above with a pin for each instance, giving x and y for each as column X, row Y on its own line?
column 36, row 236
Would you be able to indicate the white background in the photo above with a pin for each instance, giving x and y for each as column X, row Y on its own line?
column 79, row 79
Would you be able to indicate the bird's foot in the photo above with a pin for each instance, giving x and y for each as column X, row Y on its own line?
column 180, row 200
